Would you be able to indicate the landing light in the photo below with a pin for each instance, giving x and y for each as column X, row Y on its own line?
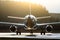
column 29, row 28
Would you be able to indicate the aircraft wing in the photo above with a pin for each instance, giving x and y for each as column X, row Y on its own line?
column 9, row 23
column 47, row 23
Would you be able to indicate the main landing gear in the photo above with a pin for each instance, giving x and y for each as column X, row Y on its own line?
column 42, row 33
column 18, row 32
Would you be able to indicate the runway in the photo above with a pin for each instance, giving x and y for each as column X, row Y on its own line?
column 37, row 35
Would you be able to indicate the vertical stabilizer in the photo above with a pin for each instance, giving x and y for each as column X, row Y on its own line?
column 30, row 8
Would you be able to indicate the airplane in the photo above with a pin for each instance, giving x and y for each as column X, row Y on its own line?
column 30, row 24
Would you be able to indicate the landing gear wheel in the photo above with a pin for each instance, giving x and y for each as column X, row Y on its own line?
column 41, row 33
column 16, row 33
column 20, row 33
column 44, row 33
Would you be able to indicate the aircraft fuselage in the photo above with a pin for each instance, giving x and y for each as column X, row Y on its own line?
column 30, row 22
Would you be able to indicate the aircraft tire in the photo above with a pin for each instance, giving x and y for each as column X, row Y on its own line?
column 20, row 33
column 41, row 33
column 44, row 33
column 16, row 32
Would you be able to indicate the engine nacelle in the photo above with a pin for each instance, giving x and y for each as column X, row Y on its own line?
column 49, row 28
column 13, row 28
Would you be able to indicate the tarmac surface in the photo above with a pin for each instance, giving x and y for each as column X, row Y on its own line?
column 27, row 35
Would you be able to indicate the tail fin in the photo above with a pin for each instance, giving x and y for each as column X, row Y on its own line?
column 29, row 8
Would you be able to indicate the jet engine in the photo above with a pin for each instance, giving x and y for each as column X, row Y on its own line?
column 13, row 28
column 49, row 28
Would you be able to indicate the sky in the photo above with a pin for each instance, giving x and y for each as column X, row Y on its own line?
column 53, row 6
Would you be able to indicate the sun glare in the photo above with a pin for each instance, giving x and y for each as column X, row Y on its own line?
column 31, row 1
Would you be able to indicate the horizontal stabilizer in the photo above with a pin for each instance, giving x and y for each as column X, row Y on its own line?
column 43, row 17
column 15, row 17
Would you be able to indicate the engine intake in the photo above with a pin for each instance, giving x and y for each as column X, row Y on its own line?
column 49, row 28
column 13, row 28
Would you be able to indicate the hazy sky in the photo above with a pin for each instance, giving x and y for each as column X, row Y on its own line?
column 53, row 6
